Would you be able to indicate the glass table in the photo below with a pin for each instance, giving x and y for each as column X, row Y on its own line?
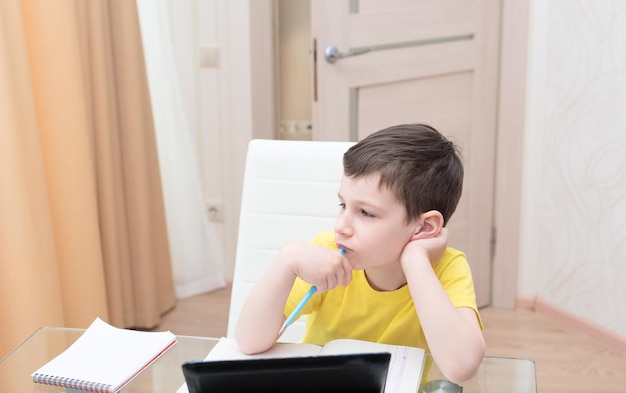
column 496, row 374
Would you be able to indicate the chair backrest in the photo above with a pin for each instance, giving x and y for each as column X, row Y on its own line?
column 289, row 195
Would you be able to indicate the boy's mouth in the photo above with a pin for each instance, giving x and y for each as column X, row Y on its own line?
column 342, row 247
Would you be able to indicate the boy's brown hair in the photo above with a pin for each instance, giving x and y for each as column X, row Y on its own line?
column 420, row 166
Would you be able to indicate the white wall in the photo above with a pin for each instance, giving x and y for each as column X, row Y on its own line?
column 219, row 64
column 573, row 245
column 195, row 27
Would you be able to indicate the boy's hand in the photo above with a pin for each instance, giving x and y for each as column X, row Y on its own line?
column 432, row 248
column 320, row 266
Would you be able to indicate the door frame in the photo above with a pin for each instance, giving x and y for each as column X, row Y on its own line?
column 509, row 131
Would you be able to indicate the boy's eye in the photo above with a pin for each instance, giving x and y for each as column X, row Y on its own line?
column 365, row 213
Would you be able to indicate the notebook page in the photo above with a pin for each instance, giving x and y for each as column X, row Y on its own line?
column 227, row 349
column 106, row 355
column 405, row 367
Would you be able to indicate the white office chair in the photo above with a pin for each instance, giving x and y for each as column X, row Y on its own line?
column 289, row 194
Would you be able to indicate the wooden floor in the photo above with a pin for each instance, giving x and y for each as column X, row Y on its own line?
column 567, row 361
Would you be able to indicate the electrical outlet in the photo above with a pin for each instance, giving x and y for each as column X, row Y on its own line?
column 215, row 210
column 208, row 57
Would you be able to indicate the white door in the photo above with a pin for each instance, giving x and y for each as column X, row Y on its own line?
column 416, row 61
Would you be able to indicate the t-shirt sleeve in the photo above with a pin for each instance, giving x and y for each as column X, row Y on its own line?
column 455, row 276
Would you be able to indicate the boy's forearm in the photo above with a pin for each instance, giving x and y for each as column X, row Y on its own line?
column 262, row 315
column 454, row 339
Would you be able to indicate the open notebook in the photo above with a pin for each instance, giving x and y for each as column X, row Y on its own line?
column 363, row 373
column 405, row 365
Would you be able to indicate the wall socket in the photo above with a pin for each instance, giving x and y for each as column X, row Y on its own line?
column 208, row 57
column 215, row 210
column 295, row 130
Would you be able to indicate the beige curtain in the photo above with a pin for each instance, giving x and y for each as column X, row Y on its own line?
column 82, row 225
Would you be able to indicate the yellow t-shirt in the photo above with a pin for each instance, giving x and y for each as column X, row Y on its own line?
column 360, row 312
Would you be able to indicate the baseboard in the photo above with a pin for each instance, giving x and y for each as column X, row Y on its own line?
column 526, row 303
column 609, row 338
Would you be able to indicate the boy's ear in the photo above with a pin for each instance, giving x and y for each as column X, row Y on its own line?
column 429, row 225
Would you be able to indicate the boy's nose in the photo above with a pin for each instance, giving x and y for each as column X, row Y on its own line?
column 342, row 225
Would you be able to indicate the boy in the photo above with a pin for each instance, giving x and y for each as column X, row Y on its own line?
column 398, row 282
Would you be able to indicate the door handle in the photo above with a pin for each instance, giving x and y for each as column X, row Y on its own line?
column 332, row 54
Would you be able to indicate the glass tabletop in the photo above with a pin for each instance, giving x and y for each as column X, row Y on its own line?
column 496, row 374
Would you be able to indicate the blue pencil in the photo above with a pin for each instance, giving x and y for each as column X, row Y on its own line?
column 305, row 299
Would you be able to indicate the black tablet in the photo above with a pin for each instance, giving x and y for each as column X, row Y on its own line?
column 364, row 373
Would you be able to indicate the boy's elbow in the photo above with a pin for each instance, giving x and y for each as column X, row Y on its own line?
column 465, row 366
column 251, row 345
column 249, row 348
column 462, row 373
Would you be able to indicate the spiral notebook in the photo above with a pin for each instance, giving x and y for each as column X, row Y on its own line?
column 104, row 358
